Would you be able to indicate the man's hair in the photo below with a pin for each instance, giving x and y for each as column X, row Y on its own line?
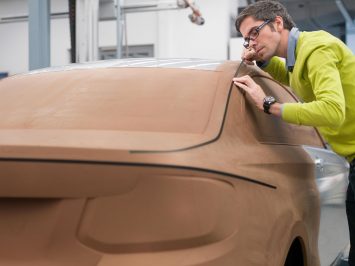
column 264, row 10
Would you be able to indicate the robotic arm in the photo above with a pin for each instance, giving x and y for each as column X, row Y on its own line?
column 196, row 16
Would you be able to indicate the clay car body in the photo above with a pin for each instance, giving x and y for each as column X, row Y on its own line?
column 155, row 162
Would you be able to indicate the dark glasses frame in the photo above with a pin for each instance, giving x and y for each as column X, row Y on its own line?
column 255, row 33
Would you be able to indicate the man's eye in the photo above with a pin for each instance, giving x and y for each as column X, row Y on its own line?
column 253, row 33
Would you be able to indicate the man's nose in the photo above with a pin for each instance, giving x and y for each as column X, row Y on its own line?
column 252, row 43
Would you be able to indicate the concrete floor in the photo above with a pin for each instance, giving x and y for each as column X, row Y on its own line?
column 334, row 232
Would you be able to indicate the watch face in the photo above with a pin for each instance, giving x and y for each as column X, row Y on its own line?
column 269, row 99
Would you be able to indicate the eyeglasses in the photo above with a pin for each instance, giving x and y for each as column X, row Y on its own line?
column 254, row 33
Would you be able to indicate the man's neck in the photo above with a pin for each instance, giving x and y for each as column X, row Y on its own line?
column 282, row 49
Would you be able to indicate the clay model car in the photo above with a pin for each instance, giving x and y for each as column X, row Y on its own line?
column 155, row 162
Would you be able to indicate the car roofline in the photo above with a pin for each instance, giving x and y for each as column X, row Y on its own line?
column 182, row 63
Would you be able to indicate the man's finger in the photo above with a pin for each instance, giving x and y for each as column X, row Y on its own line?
column 242, row 86
column 244, row 79
column 248, row 62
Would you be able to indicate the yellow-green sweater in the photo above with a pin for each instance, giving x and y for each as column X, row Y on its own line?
column 323, row 78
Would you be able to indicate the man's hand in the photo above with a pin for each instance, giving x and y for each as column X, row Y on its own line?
column 249, row 55
column 247, row 84
column 256, row 93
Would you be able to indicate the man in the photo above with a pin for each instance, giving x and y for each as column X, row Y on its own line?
column 318, row 67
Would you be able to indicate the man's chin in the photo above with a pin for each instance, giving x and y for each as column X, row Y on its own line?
column 263, row 57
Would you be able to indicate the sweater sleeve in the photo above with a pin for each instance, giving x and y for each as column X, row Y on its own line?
column 277, row 69
column 328, row 108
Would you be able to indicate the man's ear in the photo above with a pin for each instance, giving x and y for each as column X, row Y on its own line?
column 279, row 23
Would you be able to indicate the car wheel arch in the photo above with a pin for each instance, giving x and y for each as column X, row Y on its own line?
column 289, row 237
column 300, row 243
column 296, row 255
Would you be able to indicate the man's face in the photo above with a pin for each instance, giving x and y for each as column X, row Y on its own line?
column 260, row 37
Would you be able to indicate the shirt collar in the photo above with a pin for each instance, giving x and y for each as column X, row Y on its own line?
column 291, row 48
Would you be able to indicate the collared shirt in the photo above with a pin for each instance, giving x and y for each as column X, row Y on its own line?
column 291, row 48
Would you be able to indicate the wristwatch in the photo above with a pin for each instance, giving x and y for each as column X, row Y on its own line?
column 268, row 101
